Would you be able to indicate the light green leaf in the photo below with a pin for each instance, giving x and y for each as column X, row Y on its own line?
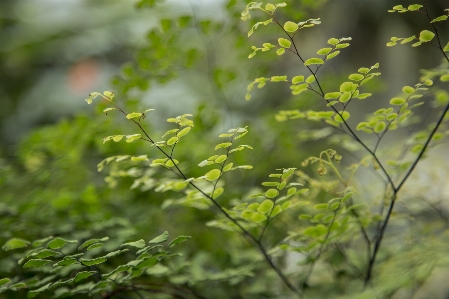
column 228, row 167
column 346, row 96
column 57, row 243
column 332, row 55
column 444, row 78
column 345, row 115
column 15, row 243
column 271, row 193
column 356, row 77
column 257, row 218
column 408, row 89
column 333, row 41
column 347, row 86
column 277, row 209
column 131, row 138
column 342, row 46
column 439, row 19
column 41, row 241
column 108, row 110
column 363, row 96
column 94, row 246
column 310, row 79
column 265, row 206
column 270, row 7
column 183, row 132
column 280, row 51
column 426, row 36
column 159, row 239
column 446, row 48
column 324, row 51
column 284, row 42
column 36, row 263
column 138, row 244
column 311, row 61
column 221, row 159
column 223, row 145
column 287, row 173
column 218, row 192
column 172, row 141
column 290, row 26
column 133, row 115
column 397, row 101
column 278, row 79
column 332, row 95
column 109, row 94
column 380, row 127
column 321, row 206
column 363, row 70
column 213, row 175
column 414, row 7
column 297, row 79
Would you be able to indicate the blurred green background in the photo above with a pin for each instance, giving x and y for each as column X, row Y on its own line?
column 54, row 53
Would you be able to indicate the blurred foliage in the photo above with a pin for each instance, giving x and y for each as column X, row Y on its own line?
column 193, row 58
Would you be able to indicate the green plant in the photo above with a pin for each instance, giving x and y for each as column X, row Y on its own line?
column 339, row 237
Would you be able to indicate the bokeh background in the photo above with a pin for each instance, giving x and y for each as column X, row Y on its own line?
column 53, row 53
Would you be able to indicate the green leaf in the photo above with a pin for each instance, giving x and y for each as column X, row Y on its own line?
column 43, row 253
column 324, row 51
column 221, row 159
column 444, row 78
column 133, row 115
column 356, row 77
column 310, row 79
column 414, row 7
column 257, row 218
column 278, row 79
column 290, row 26
column 397, row 101
column 342, row 46
column 332, row 95
column 131, row 138
column 213, row 175
column 347, row 86
column 159, row 239
column 36, row 263
column 280, row 51
column 92, row 241
column 346, row 96
column 439, row 19
column 228, row 167
column 138, row 244
column 345, row 115
column 178, row 240
column 270, row 7
column 34, row 293
column 426, row 36
column 311, row 61
column 380, row 127
column 4, row 281
column 332, row 55
column 408, row 89
column 297, row 79
column 287, row 173
column 363, row 96
column 92, row 262
column 218, row 191
column 39, row 242
column 333, row 41
column 15, row 243
column 115, row 253
column 321, row 206
column 57, row 243
column 223, row 145
column 271, row 193
column 172, row 140
column 83, row 275
column 183, row 132
column 446, row 48
column 284, row 42
column 265, row 206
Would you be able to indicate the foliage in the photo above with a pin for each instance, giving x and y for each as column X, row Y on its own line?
column 315, row 228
